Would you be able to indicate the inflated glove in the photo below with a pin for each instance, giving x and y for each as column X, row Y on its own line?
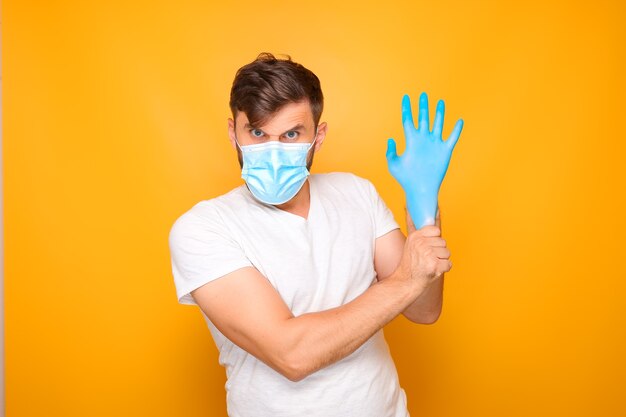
column 421, row 168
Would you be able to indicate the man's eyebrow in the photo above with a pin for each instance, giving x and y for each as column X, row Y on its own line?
column 299, row 126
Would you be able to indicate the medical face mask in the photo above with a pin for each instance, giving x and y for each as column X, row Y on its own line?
column 275, row 171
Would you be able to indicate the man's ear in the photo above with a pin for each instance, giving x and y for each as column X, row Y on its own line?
column 321, row 134
column 231, row 132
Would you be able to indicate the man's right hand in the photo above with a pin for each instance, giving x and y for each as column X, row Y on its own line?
column 425, row 257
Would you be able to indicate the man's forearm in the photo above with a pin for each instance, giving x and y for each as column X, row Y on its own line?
column 426, row 308
column 320, row 339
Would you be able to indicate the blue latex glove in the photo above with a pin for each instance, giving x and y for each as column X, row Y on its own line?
column 422, row 166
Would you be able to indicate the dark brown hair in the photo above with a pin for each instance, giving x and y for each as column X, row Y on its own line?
column 265, row 85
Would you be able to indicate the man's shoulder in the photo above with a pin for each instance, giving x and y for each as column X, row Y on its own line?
column 235, row 197
column 339, row 177
column 209, row 211
column 343, row 180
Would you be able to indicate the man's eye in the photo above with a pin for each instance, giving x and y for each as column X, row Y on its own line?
column 257, row 133
column 291, row 134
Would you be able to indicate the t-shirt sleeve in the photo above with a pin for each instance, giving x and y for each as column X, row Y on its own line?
column 202, row 250
column 383, row 217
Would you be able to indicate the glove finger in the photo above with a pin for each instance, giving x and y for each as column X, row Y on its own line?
column 438, row 127
column 391, row 154
column 424, row 118
column 454, row 136
column 407, row 115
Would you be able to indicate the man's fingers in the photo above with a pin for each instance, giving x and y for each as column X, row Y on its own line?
column 424, row 119
column 442, row 253
column 436, row 241
column 443, row 266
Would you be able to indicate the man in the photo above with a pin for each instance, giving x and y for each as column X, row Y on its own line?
column 296, row 274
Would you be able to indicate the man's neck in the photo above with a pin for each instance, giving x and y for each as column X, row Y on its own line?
column 300, row 204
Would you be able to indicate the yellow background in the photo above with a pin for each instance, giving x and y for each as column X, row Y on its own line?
column 115, row 124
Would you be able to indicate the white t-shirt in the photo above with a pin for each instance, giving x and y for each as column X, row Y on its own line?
column 315, row 264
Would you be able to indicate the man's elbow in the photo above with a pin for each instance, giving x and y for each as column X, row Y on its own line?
column 430, row 318
column 294, row 367
column 295, row 373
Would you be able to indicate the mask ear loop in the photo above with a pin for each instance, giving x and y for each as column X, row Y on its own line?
column 314, row 139
column 238, row 145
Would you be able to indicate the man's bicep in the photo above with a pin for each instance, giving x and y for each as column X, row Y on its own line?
column 248, row 310
column 388, row 253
